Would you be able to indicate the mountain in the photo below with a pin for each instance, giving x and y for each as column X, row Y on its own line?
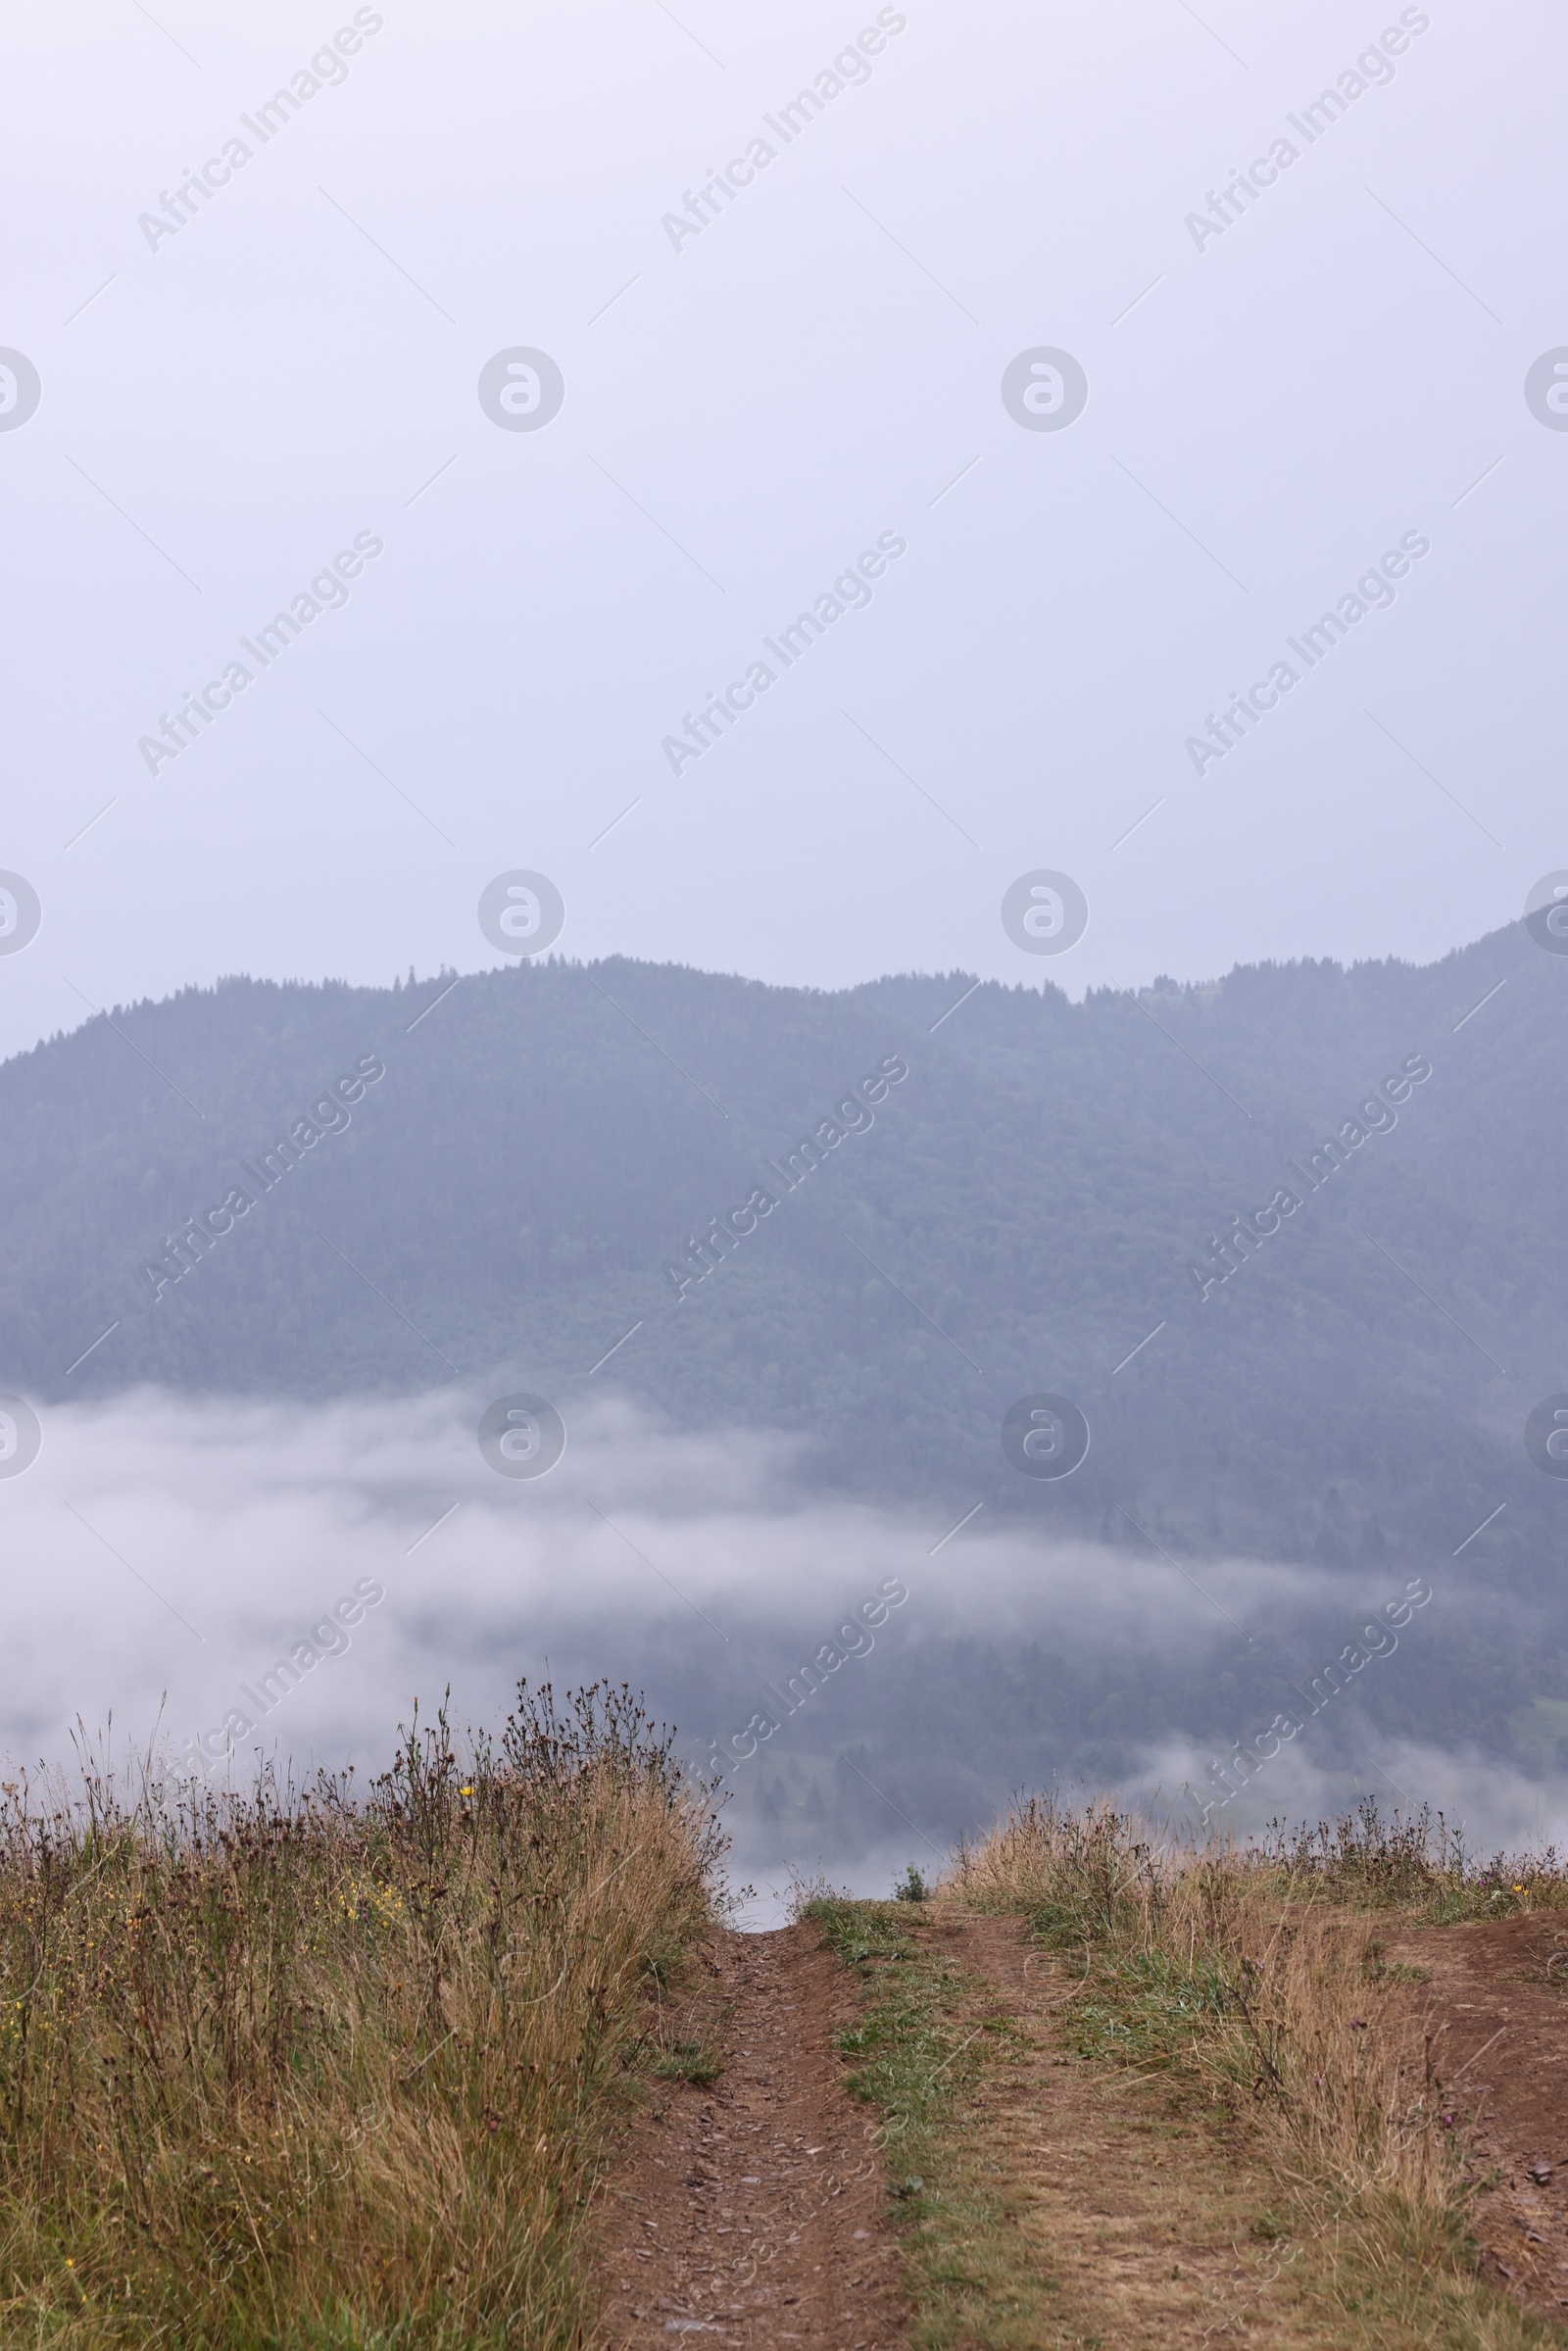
column 495, row 1178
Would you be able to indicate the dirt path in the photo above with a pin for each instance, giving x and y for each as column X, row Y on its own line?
column 1502, row 2044
column 1135, row 2215
column 754, row 2209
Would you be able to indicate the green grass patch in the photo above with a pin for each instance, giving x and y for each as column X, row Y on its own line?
column 928, row 2034
column 696, row 2061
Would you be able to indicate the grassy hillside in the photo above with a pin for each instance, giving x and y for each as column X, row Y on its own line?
column 468, row 2060
column 1142, row 2091
column 296, row 2072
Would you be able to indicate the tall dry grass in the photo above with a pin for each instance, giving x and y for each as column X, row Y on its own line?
column 308, row 2070
column 1256, row 1970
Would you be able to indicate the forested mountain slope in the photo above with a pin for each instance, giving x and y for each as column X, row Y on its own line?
column 492, row 1177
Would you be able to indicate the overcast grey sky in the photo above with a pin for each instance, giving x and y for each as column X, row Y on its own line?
column 1272, row 407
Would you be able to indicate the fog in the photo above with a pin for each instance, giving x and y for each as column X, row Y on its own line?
column 241, row 377
column 429, row 450
column 164, row 1559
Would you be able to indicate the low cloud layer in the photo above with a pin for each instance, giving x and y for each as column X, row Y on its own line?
column 231, row 1576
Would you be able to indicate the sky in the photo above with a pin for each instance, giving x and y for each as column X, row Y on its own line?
column 1068, row 574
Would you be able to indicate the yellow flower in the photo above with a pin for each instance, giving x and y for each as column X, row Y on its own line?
column 464, row 1791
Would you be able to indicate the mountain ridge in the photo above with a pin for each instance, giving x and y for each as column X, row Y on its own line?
column 1020, row 1213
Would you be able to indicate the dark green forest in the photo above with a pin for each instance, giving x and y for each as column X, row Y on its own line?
column 1013, row 1215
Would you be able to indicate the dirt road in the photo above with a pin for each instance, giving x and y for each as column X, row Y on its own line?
column 754, row 2207
column 1500, row 1996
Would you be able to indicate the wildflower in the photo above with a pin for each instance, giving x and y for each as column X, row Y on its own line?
column 464, row 1791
